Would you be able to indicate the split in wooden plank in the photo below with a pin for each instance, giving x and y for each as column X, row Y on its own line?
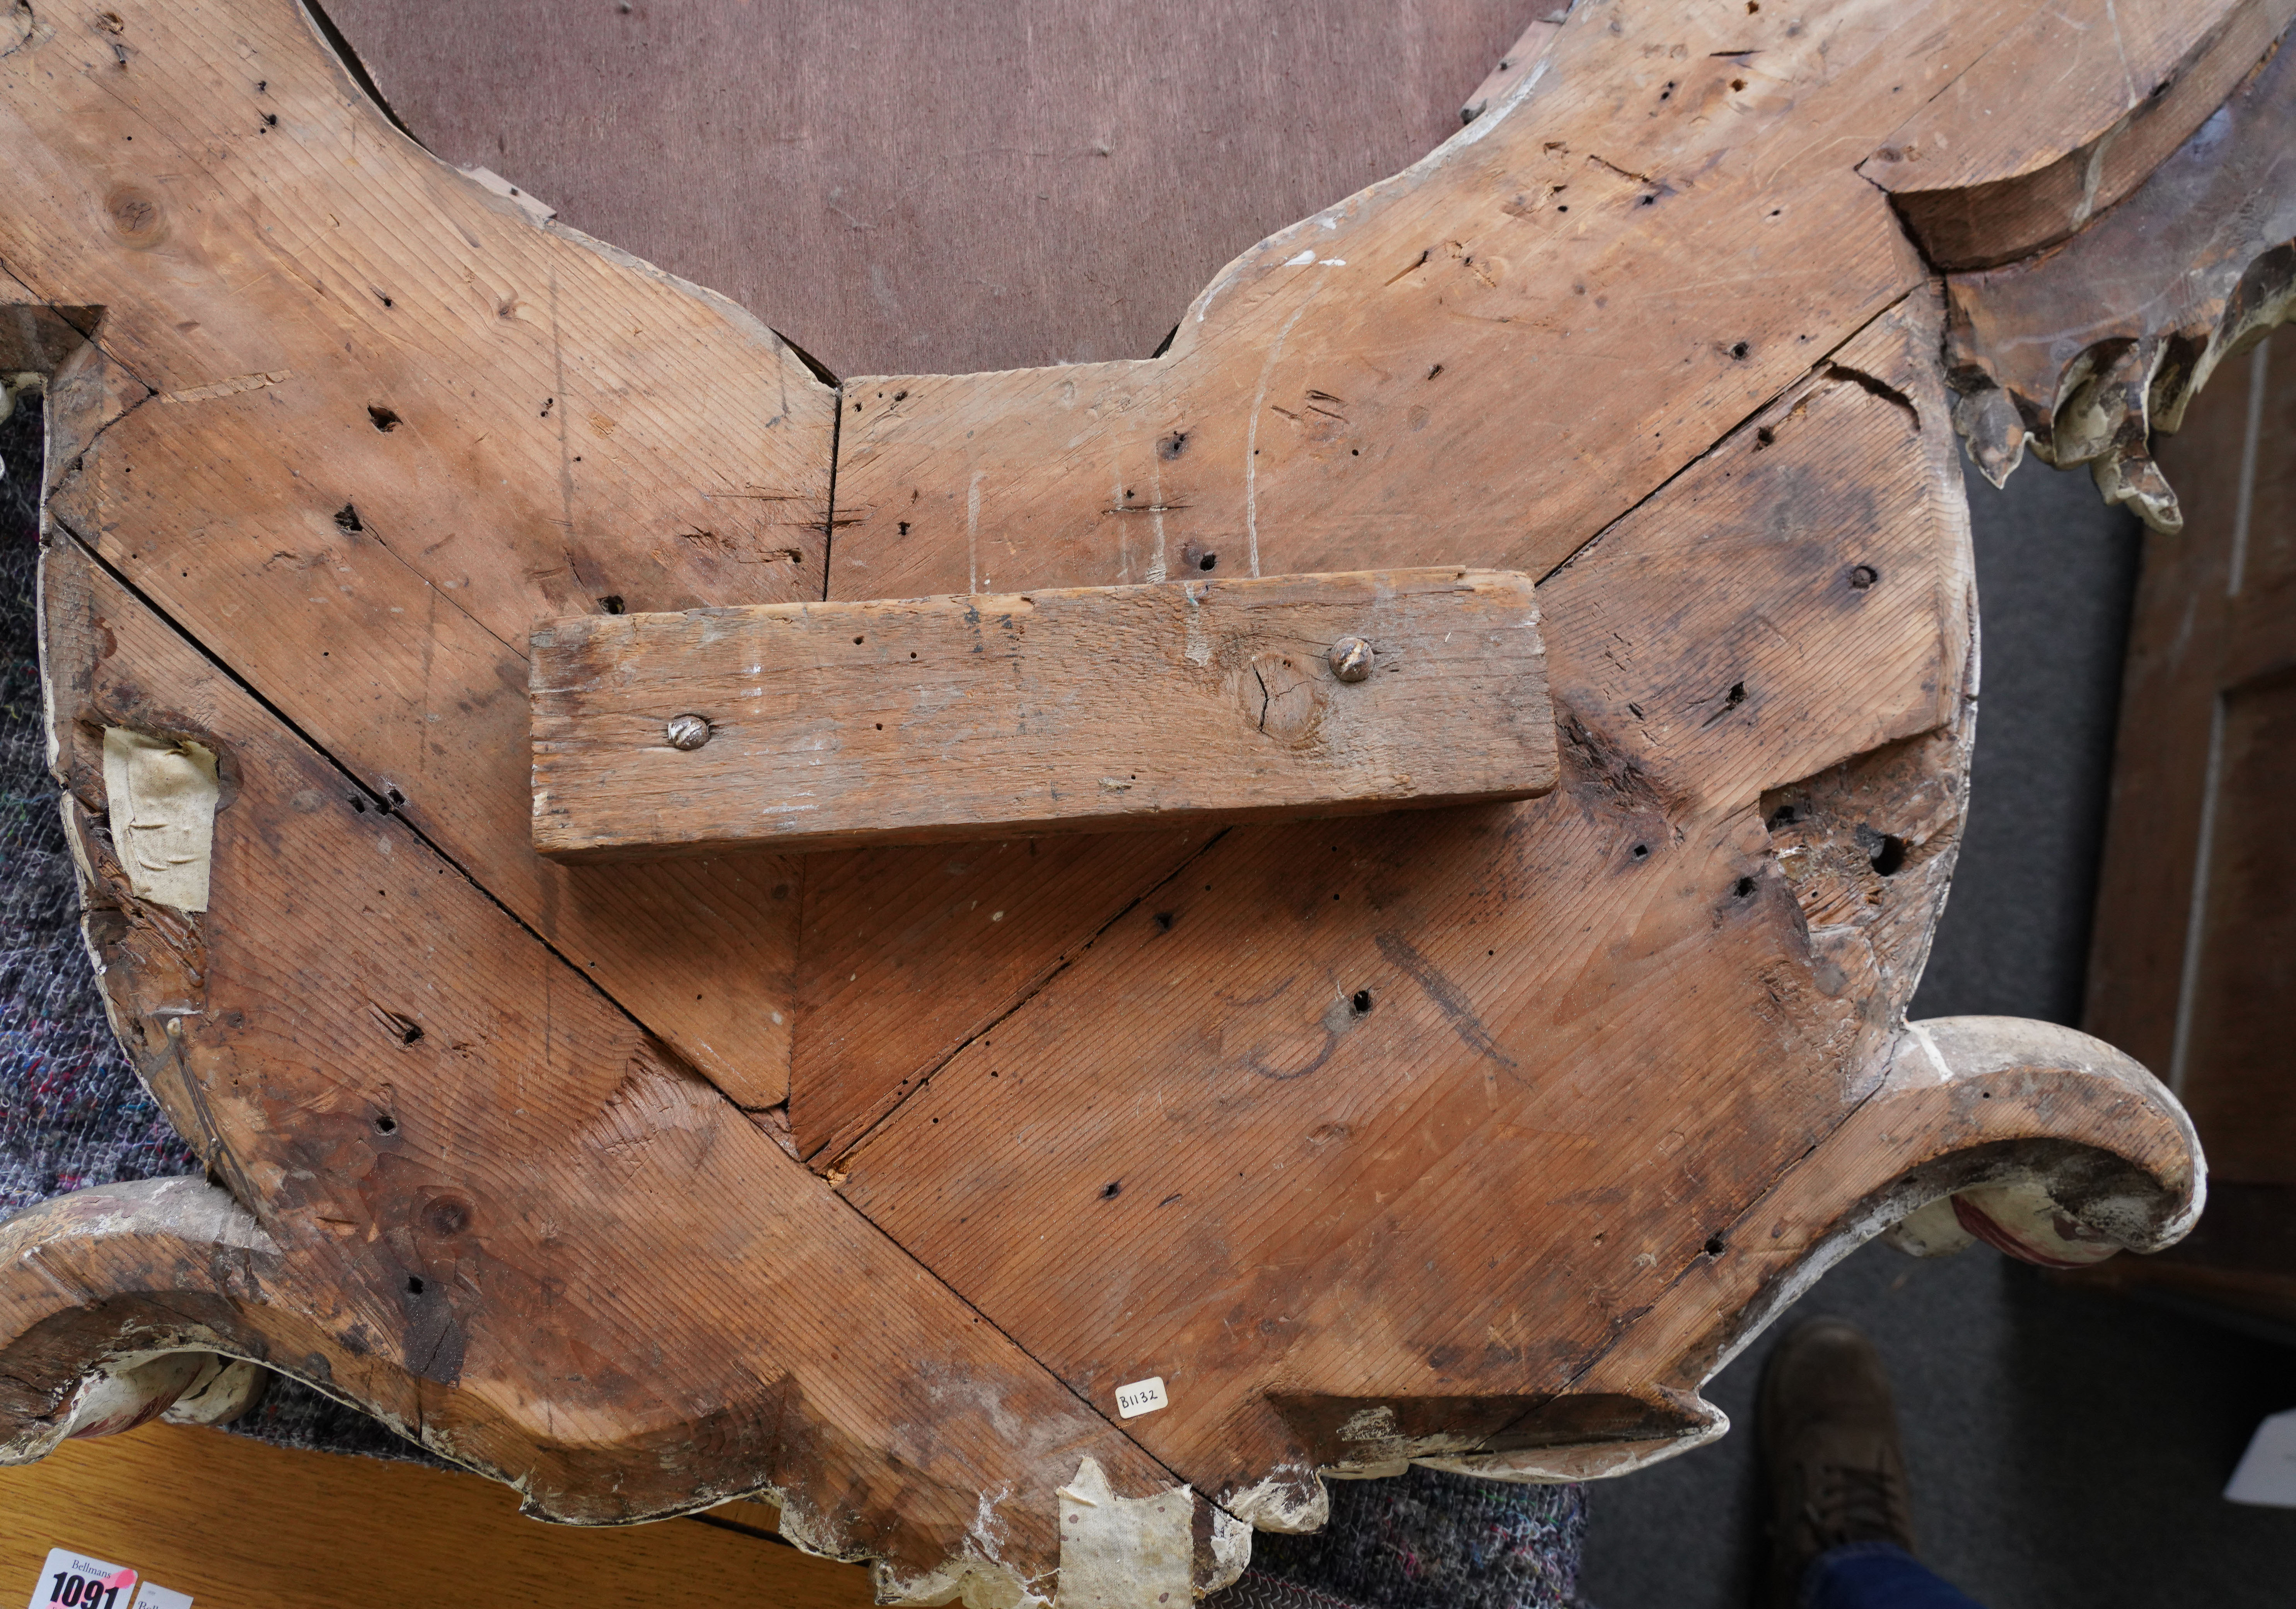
column 372, row 423
column 495, row 1212
column 1367, row 1047
column 820, row 726
column 910, row 953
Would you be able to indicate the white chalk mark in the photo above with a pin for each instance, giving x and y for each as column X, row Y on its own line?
column 1252, row 438
column 1198, row 651
column 972, row 530
column 1156, row 515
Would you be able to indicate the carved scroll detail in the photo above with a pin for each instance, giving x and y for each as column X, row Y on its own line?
column 2082, row 352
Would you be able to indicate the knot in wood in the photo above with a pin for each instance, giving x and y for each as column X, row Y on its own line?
column 1350, row 658
column 687, row 732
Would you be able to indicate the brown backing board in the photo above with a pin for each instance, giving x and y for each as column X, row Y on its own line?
column 986, row 184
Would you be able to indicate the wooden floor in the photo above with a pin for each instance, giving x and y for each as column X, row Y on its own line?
column 236, row 1523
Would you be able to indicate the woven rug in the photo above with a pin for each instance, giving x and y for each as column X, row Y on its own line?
column 1424, row 1539
column 73, row 1114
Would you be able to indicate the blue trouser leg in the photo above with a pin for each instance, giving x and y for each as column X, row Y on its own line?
column 1877, row 1575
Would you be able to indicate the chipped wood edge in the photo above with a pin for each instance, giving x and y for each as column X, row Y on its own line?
column 2095, row 396
column 115, row 1303
column 2066, row 1149
column 2054, row 195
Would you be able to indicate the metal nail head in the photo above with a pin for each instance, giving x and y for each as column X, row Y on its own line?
column 687, row 732
column 1351, row 658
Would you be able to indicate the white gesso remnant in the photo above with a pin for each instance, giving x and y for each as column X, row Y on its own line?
column 1125, row 1553
column 1141, row 1396
column 2267, row 1470
column 162, row 797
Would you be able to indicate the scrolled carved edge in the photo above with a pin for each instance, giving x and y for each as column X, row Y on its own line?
column 2061, row 1147
column 123, row 1303
column 2081, row 352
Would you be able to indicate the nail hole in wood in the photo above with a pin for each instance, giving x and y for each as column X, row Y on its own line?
column 1744, row 887
column 414, row 1285
column 384, row 419
column 1862, row 575
column 1642, row 851
column 346, row 518
column 612, row 603
column 1890, row 858
column 1714, row 1247
column 1112, row 1189
column 1360, row 1003
column 386, row 1124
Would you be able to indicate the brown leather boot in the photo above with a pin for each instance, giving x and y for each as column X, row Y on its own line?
column 1829, row 1438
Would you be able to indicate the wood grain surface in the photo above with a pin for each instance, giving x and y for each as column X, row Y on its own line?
column 1400, row 1038
column 428, row 1108
column 231, row 1521
column 1487, row 358
column 430, row 424
column 2136, row 76
column 927, row 720
column 1478, row 1134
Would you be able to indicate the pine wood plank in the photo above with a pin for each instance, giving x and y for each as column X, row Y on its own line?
column 1407, row 374
column 231, row 1521
column 495, row 1210
column 384, row 422
column 1339, row 1058
column 910, row 953
column 830, row 725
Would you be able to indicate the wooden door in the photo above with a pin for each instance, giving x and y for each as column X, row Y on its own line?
column 2194, row 969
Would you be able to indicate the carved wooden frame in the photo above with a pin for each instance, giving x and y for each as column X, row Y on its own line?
column 1535, row 1112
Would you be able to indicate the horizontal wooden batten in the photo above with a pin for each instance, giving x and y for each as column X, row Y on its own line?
column 1083, row 708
